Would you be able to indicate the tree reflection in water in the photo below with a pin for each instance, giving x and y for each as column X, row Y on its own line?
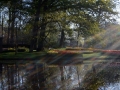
column 34, row 76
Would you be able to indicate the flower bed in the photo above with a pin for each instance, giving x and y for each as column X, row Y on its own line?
column 69, row 52
column 65, row 51
column 72, row 51
column 111, row 52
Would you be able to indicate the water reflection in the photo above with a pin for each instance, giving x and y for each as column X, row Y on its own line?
column 40, row 76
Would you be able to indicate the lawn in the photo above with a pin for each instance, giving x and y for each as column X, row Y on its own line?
column 21, row 55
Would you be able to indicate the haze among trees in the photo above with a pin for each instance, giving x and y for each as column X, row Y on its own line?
column 47, row 23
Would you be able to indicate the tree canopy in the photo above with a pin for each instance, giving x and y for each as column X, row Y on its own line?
column 41, row 19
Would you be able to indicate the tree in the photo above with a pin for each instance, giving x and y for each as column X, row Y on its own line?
column 88, row 15
column 44, row 5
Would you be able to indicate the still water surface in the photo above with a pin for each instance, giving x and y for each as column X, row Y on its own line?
column 40, row 76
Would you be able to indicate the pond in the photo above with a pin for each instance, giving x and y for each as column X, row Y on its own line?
column 40, row 76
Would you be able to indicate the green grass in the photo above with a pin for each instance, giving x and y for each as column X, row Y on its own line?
column 21, row 55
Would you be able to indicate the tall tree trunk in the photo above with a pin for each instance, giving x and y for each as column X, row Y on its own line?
column 62, row 38
column 9, row 21
column 16, row 40
column 42, row 38
column 2, row 25
column 1, row 38
column 35, row 26
column 12, row 27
